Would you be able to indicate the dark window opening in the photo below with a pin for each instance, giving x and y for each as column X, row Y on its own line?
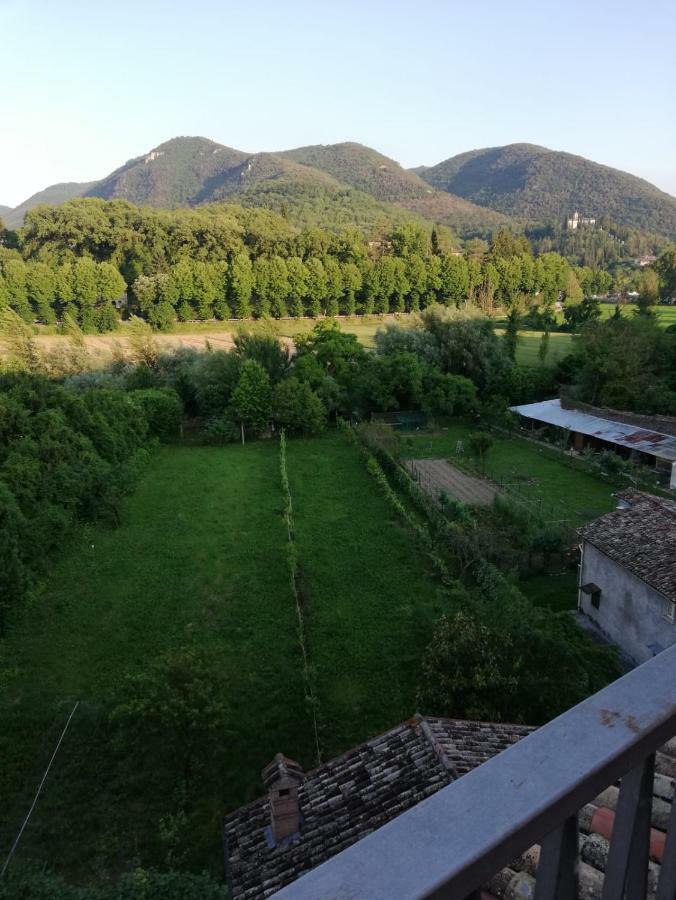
column 596, row 599
column 284, row 792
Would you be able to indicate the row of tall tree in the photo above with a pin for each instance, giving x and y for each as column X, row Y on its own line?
column 225, row 261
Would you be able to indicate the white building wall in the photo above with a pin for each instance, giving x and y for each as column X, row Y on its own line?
column 631, row 613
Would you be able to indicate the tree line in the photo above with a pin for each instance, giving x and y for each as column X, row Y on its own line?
column 228, row 262
column 66, row 456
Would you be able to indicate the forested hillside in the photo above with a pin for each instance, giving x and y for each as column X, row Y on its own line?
column 329, row 187
column 536, row 184
column 336, row 185
column 54, row 194
column 364, row 169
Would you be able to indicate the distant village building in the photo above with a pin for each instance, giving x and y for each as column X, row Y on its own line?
column 627, row 583
column 649, row 440
column 646, row 260
column 577, row 220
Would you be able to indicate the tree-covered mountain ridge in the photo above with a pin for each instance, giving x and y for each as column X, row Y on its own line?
column 342, row 185
column 349, row 184
column 535, row 184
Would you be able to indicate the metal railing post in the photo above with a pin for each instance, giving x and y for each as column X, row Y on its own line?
column 557, row 871
column 627, row 867
column 666, row 887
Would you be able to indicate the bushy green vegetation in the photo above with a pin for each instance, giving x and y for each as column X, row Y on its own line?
column 65, row 457
column 625, row 363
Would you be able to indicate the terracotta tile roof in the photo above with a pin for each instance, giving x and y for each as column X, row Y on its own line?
column 350, row 796
column 641, row 537
column 596, row 822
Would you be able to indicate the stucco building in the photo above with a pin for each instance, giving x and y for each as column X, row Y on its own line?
column 627, row 583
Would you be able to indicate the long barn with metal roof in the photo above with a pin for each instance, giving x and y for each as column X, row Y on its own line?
column 593, row 431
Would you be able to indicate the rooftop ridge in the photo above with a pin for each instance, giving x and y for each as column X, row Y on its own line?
column 441, row 754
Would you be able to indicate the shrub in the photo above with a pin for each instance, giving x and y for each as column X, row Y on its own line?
column 221, row 430
column 163, row 410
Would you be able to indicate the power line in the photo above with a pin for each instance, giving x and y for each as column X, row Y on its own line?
column 37, row 793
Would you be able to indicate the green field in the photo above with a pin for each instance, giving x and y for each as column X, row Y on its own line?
column 371, row 602
column 199, row 562
column 528, row 347
column 666, row 315
column 539, row 475
column 542, row 479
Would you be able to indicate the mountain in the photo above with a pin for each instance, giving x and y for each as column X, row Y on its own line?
column 348, row 184
column 332, row 186
column 539, row 185
column 53, row 195
column 364, row 169
column 383, row 178
column 177, row 173
column 4, row 210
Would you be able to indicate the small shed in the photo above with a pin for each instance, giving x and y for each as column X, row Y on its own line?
column 650, row 447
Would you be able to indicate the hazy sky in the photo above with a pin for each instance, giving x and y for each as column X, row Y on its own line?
column 88, row 85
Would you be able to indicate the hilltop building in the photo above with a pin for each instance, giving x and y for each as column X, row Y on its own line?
column 627, row 583
column 576, row 221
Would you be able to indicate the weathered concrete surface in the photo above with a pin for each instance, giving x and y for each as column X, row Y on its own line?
column 631, row 613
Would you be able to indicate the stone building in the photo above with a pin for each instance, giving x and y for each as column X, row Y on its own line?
column 627, row 584
column 576, row 220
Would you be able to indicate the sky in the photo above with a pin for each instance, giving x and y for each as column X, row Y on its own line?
column 87, row 86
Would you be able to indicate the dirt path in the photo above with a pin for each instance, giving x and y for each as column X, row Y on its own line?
column 436, row 475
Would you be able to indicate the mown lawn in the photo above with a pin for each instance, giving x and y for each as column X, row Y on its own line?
column 542, row 476
column 371, row 602
column 199, row 561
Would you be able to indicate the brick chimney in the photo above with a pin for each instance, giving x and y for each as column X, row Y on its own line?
column 282, row 777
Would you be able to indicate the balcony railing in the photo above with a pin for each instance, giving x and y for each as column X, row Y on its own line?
column 453, row 843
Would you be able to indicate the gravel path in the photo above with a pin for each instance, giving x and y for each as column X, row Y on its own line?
column 436, row 475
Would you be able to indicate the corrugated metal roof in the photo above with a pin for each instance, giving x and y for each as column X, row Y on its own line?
column 551, row 412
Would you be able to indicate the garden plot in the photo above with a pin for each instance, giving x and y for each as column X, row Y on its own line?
column 436, row 476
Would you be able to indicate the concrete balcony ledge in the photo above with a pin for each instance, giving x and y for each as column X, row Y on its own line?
column 456, row 840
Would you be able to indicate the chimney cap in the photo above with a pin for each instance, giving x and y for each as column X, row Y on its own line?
column 281, row 769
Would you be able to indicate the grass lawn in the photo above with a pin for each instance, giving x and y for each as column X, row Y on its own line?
column 528, row 346
column 666, row 315
column 371, row 600
column 557, row 592
column 198, row 561
column 540, row 475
